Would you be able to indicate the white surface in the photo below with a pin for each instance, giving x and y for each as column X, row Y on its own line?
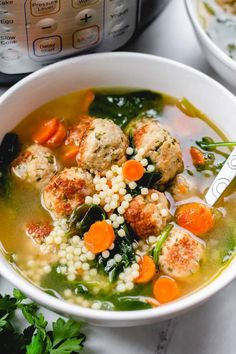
column 210, row 328
column 220, row 61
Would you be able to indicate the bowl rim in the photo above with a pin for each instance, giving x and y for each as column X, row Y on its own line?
column 167, row 311
column 215, row 50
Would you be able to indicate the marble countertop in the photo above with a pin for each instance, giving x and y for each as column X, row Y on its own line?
column 211, row 327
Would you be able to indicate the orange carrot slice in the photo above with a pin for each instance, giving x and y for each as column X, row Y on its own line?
column 57, row 138
column 165, row 289
column 133, row 170
column 46, row 131
column 147, row 270
column 99, row 237
column 197, row 156
column 70, row 154
column 195, row 217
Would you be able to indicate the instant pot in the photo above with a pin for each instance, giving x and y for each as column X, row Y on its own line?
column 35, row 33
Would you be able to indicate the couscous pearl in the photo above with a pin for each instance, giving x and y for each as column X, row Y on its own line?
column 107, row 208
column 78, row 265
column 85, row 266
column 141, row 151
column 111, row 262
column 85, row 303
column 109, row 174
column 84, row 249
column 154, row 196
column 150, row 168
column 121, row 233
column 113, row 217
column 69, row 249
column 121, row 210
column 125, row 204
column 122, row 185
column 75, row 239
column 144, row 191
column 113, row 205
column 129, row 286
column 47, row 269
column 96, row 200
column 120, row 220
column 105, row 254
column 93, row 272
column 164, row 212
column 129, row 151
column 138, row 157
column 105, row 187
column 122, row 191
column 31, row 263
column 69, row 256
column 115, row 224
column 122, row 276
column 58, row 240
column 83, row 258
column 135, row 266
column 96, row 306
column 102, row 195
column 98, row 187
column 128, row 197
column 49, row 240
column 63, row 246
column 103, row 180
column 145, row 248
column 120, row 287
column 68, row 293
column 132, row 185
column 115, row 197
column 152, row 239
column 112, row 246
column 118, row 258
column 63, row 261
column 71, row 277
column 71, row 269
column 135, row 245
column 115, row 188
column 88, row 200
column 137, row 258
column 77, row 251
column 144, row 162
column 108, row 221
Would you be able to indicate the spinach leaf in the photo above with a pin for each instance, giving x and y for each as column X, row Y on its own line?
column 123, row 246
column 132, row 303
column 161, row 240
column 121, row 108
column 9, row 150
column 229, row 249
column 83, row 217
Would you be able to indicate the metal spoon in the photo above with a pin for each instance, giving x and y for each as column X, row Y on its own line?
column 222, row 180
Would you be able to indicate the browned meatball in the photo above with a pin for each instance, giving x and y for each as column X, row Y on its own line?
column 148, row 214
column 38, row 231
column 160, row 147
column 67, row 190
column 103, row 144
column 180, row 254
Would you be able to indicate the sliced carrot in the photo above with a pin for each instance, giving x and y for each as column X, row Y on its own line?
column 195, row 217
column 197, row 156
column 70, row 154
column 165, row 289
column 46, row 131
column 89, row 98
column 109, row 183
column 99, row 237
column 57, row 138
column 147, row 270
column 133, row 170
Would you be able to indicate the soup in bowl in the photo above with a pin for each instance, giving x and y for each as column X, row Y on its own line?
column 102, row 189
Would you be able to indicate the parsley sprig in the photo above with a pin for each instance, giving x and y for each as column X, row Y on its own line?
column 64, row 338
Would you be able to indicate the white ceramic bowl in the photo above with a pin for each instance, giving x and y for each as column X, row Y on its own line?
column 118, row 69
column 220, row 61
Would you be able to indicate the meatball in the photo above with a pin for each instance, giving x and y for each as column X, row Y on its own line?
column 103, row 145
column 36, row 164
column 160, row 147
column 77, row 133
column 66, row 191
column 148, row 214
column 181, row 188
column 228, row 5
column 180, row 254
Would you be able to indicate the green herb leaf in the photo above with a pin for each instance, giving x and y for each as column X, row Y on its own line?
column 63, row 330
column 208, row 144
column 162, row 238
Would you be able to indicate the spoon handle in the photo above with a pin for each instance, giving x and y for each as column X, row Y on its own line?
column 222, row 180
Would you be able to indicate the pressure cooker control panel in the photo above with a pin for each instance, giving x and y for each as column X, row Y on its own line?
column 34, row 33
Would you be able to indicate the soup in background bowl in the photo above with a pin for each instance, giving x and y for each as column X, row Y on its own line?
column 103, row 203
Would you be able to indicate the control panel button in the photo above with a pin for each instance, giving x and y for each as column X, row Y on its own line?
column 47, row 25
column 47, row 46
column 78, row 3
column 44, row 7
column 6, row 20
column 8, row 39
column 86, row 37
column 4, row 4
column 85, row 17
column 10, row 54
